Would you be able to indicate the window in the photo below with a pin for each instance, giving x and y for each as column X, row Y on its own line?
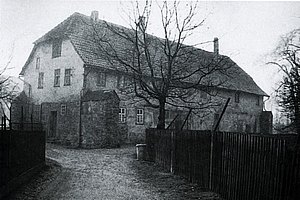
column 67, row 77
column 101, row 79
column 63, row 109
column 57, row 78
column 119, row 81
column 123, row 81
column 37, row 63
column 140, row 116
column 56, row 48
column 41, row 80
column 237, row 97
column 122, row 115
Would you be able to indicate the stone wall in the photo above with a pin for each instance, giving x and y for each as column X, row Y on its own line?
column 266, row 122
column 100, row 123
column 242, row 116
column 67, row 127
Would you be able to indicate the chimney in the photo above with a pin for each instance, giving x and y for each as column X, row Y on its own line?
column 94, row 15
column 216, row 46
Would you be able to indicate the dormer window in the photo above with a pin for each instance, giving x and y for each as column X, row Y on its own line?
column 56, row 48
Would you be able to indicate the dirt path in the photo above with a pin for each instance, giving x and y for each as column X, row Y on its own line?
column 105, row 174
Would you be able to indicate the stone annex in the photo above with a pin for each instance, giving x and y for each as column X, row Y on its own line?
column 79, row 99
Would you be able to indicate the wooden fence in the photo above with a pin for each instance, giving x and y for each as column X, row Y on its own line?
column 20, row 151
column 244, row 166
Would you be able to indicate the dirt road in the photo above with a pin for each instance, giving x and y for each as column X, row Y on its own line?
column 105, row 174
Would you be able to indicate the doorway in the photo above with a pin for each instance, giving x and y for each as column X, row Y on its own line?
column 53, row 124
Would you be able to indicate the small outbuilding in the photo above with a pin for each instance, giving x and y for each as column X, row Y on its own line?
column 99, row 119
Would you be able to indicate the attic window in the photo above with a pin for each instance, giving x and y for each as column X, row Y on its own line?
column 37, row 66
column 56, row 48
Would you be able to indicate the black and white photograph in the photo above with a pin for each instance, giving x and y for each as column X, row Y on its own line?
column 149, row 100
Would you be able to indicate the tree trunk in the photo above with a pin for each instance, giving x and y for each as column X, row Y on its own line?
column 161, row 116
column 297, row 122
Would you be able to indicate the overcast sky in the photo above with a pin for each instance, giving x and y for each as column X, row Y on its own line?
column 247, row 31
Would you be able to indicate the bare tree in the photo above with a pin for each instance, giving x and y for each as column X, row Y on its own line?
column 163, row 71
column 288, row 61
column 7, row 87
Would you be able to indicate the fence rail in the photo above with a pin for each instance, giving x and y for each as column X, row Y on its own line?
column 244, row 166
column 24, row 126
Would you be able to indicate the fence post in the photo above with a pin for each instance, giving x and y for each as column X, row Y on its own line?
column 10, row 122
column 31, row 119
column 172, row 152
column 4, row 122
column 22, row 118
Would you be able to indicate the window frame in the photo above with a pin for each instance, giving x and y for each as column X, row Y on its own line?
column 63, row 109
column 101, row 79
column 37, row 63
column 119, row 81
column 122, row 115
column 41, row 80
column 56, row 48
column 67, row 77
column 140, row 116
column 57, row 76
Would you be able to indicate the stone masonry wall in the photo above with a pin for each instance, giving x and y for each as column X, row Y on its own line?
column 242, row 116
column 67, row 131
column 100, row 124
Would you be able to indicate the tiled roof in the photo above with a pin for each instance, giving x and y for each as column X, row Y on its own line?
column 77, row 28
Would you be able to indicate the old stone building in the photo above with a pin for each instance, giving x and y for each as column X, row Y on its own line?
column 81, row 99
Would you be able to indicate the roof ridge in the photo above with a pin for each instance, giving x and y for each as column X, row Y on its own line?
column 70, row 18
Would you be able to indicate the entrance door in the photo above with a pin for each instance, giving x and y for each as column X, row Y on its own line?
column 53, row 124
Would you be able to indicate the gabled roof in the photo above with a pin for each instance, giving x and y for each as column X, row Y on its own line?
column 77, row 28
